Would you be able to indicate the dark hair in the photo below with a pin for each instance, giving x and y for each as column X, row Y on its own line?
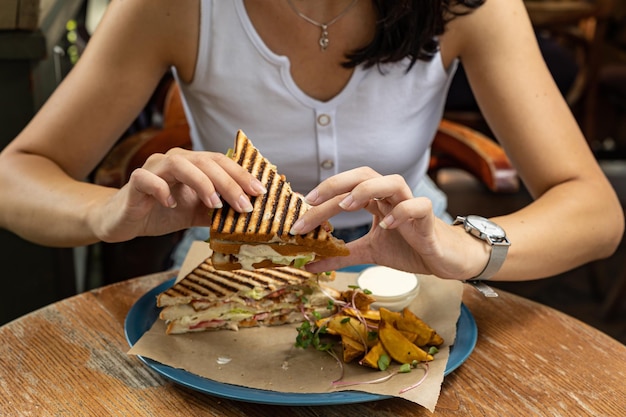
column 409, row 28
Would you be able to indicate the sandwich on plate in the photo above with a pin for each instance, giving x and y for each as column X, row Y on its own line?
column 210, row 299
column 261, row 238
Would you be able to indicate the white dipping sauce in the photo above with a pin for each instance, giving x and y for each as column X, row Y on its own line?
column 393, row 289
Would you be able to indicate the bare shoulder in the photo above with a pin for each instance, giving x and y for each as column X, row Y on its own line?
column 495, row 23
column 166, row 28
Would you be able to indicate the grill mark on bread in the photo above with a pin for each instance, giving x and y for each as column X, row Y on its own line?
column 275, row 208
column 222, row 217
column 283, row 219
column 219, row 218
column 262, row 168
column 242, row 154
column 257, row 226
column 266, row 197
column 246, row 223
column 298, row 212
column 233, row 225
column 263, row 198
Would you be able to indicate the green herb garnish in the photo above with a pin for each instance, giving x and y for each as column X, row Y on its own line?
column 383, row 362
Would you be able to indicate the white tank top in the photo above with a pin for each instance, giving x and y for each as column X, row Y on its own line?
column 384, row 118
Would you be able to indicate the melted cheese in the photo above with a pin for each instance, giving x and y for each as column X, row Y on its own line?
column 251, row 254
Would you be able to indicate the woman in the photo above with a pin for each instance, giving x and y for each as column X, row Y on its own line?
column 322, row 88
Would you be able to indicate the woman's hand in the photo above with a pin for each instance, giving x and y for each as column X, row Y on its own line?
column 174, row 191
column 405, row 234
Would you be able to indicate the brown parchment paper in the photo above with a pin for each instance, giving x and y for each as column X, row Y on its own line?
column 265, row 358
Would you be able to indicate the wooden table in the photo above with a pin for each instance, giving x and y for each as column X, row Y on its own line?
column 70, row 359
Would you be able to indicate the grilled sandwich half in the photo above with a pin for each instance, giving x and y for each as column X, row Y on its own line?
column 261, row 239
column 210, row 299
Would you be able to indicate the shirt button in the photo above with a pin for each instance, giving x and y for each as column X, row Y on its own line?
column 327, row 164
column 323, row 119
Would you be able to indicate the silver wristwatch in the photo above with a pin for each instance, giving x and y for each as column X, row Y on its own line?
column 491, row 233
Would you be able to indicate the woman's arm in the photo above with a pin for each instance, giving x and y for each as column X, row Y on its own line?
column 42, row 189
column 576, row 216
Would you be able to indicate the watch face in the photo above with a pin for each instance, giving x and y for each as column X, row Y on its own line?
column 486, row 226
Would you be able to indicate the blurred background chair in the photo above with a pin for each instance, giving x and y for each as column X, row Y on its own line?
column 570, row 34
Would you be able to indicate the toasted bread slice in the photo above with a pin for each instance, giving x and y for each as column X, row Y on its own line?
column 264, row 233
column 210, row 299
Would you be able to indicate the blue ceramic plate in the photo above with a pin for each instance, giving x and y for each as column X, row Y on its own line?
column 144, row 312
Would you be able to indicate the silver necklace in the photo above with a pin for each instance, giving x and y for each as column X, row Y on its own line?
column 324, row 41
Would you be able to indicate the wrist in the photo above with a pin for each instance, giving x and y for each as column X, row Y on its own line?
column 98, row 211
column 482, row 254
column 476, row 253
column 494, row 240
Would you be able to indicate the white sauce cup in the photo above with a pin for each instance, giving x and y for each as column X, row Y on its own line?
column 393, row 289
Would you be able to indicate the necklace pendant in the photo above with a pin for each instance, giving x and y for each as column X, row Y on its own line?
column 324, row 41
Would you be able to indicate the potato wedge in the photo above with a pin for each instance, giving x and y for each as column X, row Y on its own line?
column 406, row 322
column 369, row 315
column 372, row 356
column 427, row 335
column 391, row 317
column 347, row 326
column 360, row 300
column 410, row 336
column 352, row 349
column 399, row 348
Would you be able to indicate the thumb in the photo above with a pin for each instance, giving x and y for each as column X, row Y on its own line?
column 359, row 254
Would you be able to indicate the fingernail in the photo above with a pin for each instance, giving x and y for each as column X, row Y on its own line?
column 258, row 186
column 387, row 222
column 297, row 227
column 215, row 201
column 346, row 202
column 171, row 203
column 245, row 204
column 312, row 197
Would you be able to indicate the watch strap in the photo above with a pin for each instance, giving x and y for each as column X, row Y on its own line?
column 496, row 259
column 499, row 248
